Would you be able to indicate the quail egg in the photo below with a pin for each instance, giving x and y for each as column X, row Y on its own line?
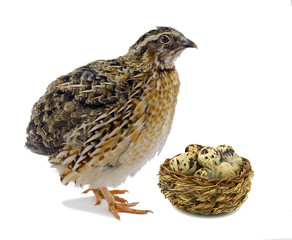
column 208, row 157
column 202, row 172
column 226, row 152
column 195, row 148
column 224, row 170
column 185, row 163
column 228, row 155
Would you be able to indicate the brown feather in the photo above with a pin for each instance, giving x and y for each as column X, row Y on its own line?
column 103, row 121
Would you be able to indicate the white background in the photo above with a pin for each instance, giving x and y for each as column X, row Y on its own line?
column 235, row 89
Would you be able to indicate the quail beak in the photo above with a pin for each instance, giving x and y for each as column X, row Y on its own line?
column 188, row 43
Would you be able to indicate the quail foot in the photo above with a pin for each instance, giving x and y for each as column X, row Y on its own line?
column 102, row 122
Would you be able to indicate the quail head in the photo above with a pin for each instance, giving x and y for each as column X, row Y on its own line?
column 103, row 121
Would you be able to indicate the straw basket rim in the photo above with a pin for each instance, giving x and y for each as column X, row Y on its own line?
column 246, row 172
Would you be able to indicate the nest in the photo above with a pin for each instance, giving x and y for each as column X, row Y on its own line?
column 203, row 196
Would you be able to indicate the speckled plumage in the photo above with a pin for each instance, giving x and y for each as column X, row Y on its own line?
column 103, row 121
column 124, row 137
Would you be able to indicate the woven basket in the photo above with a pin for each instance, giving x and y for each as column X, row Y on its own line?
column 200, row 195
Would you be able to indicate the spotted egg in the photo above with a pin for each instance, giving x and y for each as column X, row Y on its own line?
column 228, row 155
column 185, row 163
column 194, row 148
column 224, row 170
column 226, row 152
column 202, row 172
column 208, row 157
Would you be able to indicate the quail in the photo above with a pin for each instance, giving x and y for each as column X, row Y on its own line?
column 102, row 122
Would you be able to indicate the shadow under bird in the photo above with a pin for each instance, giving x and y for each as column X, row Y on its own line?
column 102, row 122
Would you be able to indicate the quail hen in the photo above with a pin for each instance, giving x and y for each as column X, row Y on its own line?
column 102, row 122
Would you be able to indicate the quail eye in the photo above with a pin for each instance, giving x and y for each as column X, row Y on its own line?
column 164, row 39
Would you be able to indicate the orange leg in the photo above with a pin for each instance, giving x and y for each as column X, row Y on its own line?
column 99, row 195
column 115, row 203
column 116, row 207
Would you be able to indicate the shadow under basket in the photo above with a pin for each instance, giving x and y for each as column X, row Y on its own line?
column 200, row 195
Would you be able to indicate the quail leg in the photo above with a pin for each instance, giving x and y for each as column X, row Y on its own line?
column 116, row 207
column 96, row 193
column 99, row 195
